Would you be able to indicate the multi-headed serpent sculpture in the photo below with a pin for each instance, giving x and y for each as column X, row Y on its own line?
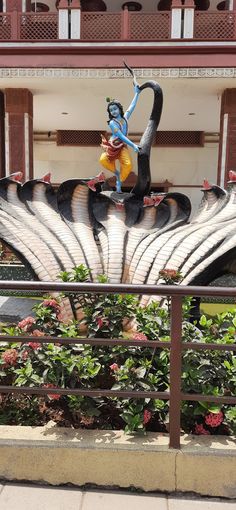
column 128, row 236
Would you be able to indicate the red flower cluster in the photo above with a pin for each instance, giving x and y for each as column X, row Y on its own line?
column 52, row 303
column 146, row 416
column 37, row 332
column 170, row 275
column 140, row 336
column 99, row 322
column 168, row 272
column 26, row 323
column 114, row 367
column 34, row 345
column 200, row 430
column 102, row 322
column 53, row 396
column 10, row 357
column 24, row 355
column 214, row 419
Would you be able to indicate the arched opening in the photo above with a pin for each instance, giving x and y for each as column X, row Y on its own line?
column 93, row 5
column 132, row 6
column 164, row 5
column 39, row 7
column 223, row 6
column 202, row 5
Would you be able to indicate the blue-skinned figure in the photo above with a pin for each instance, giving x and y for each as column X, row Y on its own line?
column 115, row 149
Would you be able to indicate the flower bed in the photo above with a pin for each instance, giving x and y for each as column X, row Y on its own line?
column 121, row 367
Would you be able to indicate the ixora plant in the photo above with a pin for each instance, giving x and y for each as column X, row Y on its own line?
column 120, row 367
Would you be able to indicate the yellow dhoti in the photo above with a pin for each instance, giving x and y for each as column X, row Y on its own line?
column 125, row 163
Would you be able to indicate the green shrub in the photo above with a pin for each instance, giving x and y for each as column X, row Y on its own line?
column 119, row 367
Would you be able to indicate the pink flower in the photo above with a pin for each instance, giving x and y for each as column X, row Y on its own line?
column 24, row 355
column 10, row 357
column 87, row 420
column 100, row 322
column 214, row 419
column 171, row 273
column 140, row 336
column 34, row 345
column 52, row 303
column 26, row 323
column 200, row 430
column 146, row 416
column 52, row 396
column 37, row 332
column 114, row 367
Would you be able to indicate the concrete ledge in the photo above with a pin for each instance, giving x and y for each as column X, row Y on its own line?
column 204, row 465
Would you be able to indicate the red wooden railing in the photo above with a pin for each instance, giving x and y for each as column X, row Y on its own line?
column 125, row 25
column 215, row 25
column 28, row 26
column 176, row 346
column 116, row 26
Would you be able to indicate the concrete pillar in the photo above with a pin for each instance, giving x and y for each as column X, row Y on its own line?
column 75, row 19
column 176, row 13
column 227, row 142
column 189, row 7
column 19, row 132
column 63, row 31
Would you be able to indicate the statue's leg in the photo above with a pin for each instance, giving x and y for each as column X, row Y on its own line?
column 118, row 181
column 107, row 163
column 125, row 164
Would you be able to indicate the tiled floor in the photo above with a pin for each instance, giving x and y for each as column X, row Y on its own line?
column 30, row 497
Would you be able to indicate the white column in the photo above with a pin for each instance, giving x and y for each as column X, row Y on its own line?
column 224, row 146
column 63, row 24
column 176, row 23
column 75, row 18
column 188, row 22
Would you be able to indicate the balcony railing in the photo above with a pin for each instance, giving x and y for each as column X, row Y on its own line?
column 118, row 26
column 28, row 26
column 175, row 395
column 115, row 26
column 215, row 25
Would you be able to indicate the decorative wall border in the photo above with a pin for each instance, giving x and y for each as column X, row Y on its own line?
column 207, row 72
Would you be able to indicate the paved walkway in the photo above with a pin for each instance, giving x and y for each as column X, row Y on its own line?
column 30, row 497
column 13, row 309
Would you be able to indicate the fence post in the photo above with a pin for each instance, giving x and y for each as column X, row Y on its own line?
column 189, row 8
column 63, row 28
column 75, row 19
column 175, row 370
column 14, row 26
column 125, row 24
column 176, row 14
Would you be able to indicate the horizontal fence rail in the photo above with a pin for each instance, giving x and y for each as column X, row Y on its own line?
column 175, row 345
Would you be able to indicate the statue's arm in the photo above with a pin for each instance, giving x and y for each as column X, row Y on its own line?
column 133, row 103
column 117, row 132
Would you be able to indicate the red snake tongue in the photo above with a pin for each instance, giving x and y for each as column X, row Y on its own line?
column 232, row 175
column 17, row 176
column 206, row 185
column 46, row 178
